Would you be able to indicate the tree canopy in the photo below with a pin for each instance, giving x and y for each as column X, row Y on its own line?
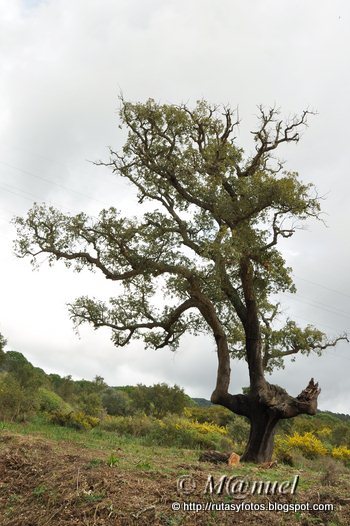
column 205, row 259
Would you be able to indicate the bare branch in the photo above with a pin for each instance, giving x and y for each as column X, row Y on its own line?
column 271, row 134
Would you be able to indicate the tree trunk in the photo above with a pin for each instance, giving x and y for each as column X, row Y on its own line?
column 263, row 424
column 265, row 404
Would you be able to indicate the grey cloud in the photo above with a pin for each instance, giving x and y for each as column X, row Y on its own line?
column 63, row 65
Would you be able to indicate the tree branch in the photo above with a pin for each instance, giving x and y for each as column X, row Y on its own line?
column 269, row 141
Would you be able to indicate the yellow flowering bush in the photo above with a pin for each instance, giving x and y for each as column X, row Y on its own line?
column 213, row 414
column 307, row 444
column 74, row 419
column 172, row 430
column 341, row 453
column 324, row 432
column 204, row 428
column 182, row 432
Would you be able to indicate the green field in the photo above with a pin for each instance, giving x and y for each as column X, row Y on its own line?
column 52, row 475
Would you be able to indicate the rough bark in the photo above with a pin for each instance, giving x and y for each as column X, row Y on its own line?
column 264, row 412
column 263, row 424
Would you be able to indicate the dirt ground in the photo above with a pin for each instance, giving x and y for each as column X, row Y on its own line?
column 45, row 483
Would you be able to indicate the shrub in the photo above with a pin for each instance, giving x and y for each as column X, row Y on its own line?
column 138, row 425
column 158, row 400
column 90, row 404
column 283, row 451
column 308, row 444
column 331, row 471
column 116, row 402
column 341, row 453
column 324, row 432
column 50, row 402
column 180, row 432
column 16, row 402
column 215, row 414
column 76, row 420
column 171, row 431
column 239, row 430
column 341, row 435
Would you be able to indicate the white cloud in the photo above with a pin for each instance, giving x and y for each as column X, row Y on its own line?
column 63, row 64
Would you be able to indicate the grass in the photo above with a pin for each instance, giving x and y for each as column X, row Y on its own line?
column 97, row 474
column 135, row 455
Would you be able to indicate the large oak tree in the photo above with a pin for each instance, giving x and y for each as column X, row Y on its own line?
column 206, row 257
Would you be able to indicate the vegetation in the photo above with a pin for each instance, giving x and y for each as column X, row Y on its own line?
column 209, row 245
column 59, row 475
column 58, row 460
column 158, row 415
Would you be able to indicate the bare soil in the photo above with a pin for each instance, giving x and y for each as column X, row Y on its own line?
column 44, row 483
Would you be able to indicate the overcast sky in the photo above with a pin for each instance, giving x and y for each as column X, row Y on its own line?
column 62, row 65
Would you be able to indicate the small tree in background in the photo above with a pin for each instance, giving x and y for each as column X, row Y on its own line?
column 159, row 399
column 3, row 343
column 117, row 402
column 209, row 247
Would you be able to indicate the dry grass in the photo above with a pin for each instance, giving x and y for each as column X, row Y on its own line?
column 47, row 482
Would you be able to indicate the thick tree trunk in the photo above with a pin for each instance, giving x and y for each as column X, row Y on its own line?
column 263, row 424
column 264, row 411
column 265, row 404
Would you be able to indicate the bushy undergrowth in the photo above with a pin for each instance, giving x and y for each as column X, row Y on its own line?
column 158, row 415
column 307, row 444
column 290, row 449
column 341, row 453
column 137, row 425
column 170, row 431
column 50, row 402
column 74, row 419
column 216, row 414
column 16, row 403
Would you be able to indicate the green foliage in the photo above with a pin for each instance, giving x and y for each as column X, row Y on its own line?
column 215, row 207
column 117, row 402
column 159, row 400
column 341, row 435
column 181, row 432
column 28, row 376
column 239, row 430
column 238, row 427
column 50, row 402
column 64, row 387
column 137, row 425
column 311, row 437
column 209, row 247
column 39, row 491
column 215, row 414
column 3, row 343
column 90, row 403
column 201, row 402
column 290, row 338
column 16, row 403
column 170, row 431
column 113, row 460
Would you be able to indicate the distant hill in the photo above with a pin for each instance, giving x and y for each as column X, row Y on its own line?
column 15, row 362
column 202, row 402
